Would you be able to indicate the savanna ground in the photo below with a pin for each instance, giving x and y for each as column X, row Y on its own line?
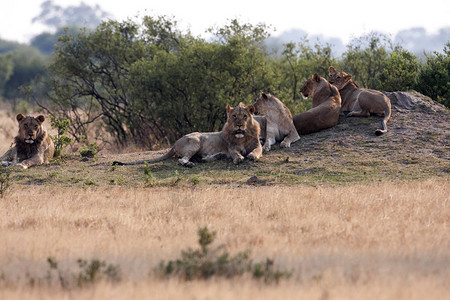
column 348, row 214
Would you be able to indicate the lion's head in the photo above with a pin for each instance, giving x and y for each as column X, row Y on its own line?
column 31, row 130
column 266, row 104
column 338, row 78
column 240, row 122
column 312, row 85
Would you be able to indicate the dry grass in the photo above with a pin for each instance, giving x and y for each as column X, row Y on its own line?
column 377, row 241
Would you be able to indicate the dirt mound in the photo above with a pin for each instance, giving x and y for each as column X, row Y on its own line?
column 417, row 139
column 414, row 100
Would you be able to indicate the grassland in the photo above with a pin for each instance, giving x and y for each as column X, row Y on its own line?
column 348, row 214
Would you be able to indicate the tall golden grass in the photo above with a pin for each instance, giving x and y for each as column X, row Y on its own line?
column 378, row 241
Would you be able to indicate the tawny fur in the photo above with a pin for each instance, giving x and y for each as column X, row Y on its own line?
column 360, row 102
column 32, row 146
column 326, row 106
column 238, row 138
column 277, row 124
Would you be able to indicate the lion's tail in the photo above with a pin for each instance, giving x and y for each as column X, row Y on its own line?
column 387, row 116
column 169, row 154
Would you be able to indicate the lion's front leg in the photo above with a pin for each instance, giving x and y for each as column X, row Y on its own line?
column 256, row 153
column 35, row 160
column 9, row 158
column 290, row 138
column 236, row 156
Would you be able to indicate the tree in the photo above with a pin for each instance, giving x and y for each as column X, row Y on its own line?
column 400, row 72
column 6, row 69
column 27, row 63
column 297, row 63
column 366, row 58
column 154, row 83
column 434, row 77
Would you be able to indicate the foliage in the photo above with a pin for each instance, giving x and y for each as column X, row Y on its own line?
column 296, row 64
column 148, row 177
column 60, row 139
column 21, row 66
column 89, row 273
column 400, row 72
column 5, row 180
column 366, row 58
column 156, row 84
column 95, row 270
column 46, row 42
column 89, row 151
column 207, row 262
column 434, row 77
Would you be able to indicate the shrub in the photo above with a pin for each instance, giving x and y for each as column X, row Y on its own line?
column 207, row 262
column 60, row 139
column 5, row 174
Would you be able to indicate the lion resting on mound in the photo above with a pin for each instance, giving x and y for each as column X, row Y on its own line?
column 326, row 106
column 32, row 145
column 238, row 138
column 360, row 103
column 277, row 124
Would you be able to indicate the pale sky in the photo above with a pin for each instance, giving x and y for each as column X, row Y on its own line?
column 345, row 19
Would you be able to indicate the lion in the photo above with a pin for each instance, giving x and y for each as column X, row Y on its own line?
column 277, row 124
column 32, row 147
column 239, row 137
column 326, row 106
column 360, row 102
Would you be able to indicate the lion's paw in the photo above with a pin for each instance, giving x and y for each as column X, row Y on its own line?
column 238, row 160
column 252, row 156
column 21, row 166
column 285, row 144
column 5, row 163
column 266, row 148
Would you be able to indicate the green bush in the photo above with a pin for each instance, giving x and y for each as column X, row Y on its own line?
column 434, row 77
column 60, row 139
column 206, row 262
column 5, row 180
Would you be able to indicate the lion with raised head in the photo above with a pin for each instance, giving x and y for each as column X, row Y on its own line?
column 32, row 146
column 326, row 106
column 276, row 123
column 360, row 102
column 239, row 137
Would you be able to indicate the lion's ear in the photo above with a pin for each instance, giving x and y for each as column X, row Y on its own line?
column 331, row 69
column 264, row 96
column 20, row 117
column 229, row 108
column 251, row 109
column 348, row 77
column 40, row 118
column 316, row 77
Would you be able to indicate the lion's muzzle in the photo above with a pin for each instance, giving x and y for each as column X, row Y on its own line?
column 239, row 133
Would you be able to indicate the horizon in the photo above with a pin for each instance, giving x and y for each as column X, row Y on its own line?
column 17, row 24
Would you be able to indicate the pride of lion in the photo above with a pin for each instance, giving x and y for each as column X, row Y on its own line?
column 268, row 119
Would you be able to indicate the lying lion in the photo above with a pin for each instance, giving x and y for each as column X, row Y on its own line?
column 360, row 102
column 326, row 106
column 238, row 138
column 277, row 124
column 32, row 145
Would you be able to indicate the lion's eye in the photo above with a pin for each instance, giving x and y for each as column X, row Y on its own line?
column 26, row 126
column 234, row 116
column 35, row 127
column 245, row 116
